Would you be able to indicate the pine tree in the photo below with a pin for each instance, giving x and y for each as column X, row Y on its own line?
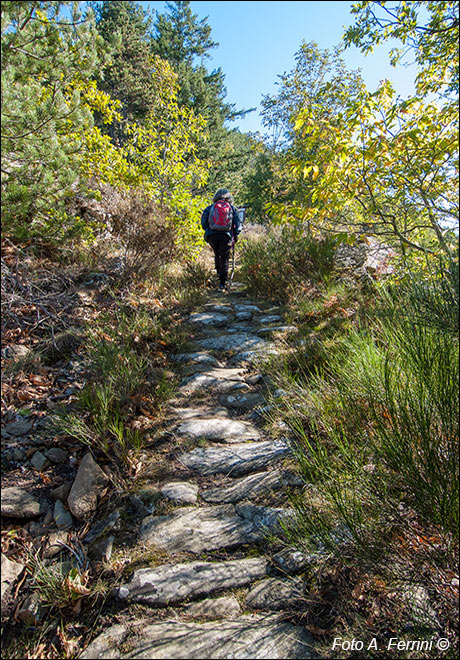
column 185, row 42
column 48, row 51
column 125, row 26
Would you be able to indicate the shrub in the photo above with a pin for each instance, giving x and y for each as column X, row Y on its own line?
column 377, row 431
column 147, row 239
column 282, row 261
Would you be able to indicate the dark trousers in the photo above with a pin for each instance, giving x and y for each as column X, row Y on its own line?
column 221, row 244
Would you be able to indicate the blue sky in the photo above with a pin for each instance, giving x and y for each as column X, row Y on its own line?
column 258, row 41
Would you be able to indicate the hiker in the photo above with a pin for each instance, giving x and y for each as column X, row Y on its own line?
column 222, row 225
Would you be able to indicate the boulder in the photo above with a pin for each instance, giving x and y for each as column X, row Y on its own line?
column 86, row 489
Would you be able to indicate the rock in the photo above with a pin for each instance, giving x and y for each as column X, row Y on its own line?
column 249, row 636
column 223, row 309
column 56, row 455
column 243, row 316
column 197, row 359
column 214, row 608
column 290, row 561
column 62, row 517
column 248, row 357
column 39, row 461
column 421, row 612
column 102, row 527
column 199, row 529
column 240, row 327
column 219, row 382
column 273, row 318
column 241, row 341
column 191, row 413
column 174, row 583
column 54, row 543
column 30, row 612
column 61, row 492
column 102, row 550
column 276, row 594
column 243, row 401
column 11, row 570
column 246, row 307
column 235, row 460
column 181, row 491
column 20, row 427
column 18, row 503
column 262, row 482
column 16, row 352
column 88, row 485
column 217, row 320
column 226, row 430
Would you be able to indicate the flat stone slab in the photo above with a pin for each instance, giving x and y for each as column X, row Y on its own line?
column 276, row 594
column 245, row 315
column 180, row 491
column 242, row 341
column 18, row 503
column 196, row 358
column 201, row 529
column 192, row 413
column 225, row 430
column 222, row 380
column 271, row 318
column 246, row 307
column 214, row 608
column 249, row 637
column 248, row 357
column 245, row 401
column 278, row 328
column 254, row 484
column 174, row 583
column 209, row 319
column 236, row 460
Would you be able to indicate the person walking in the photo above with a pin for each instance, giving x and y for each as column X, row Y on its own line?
column 221, row 224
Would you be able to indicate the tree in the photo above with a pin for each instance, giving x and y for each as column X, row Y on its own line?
column 185, row 42
column 427, row 29
column 125, row 27
column 47, row 47
column 320, row 81
column 385, row 165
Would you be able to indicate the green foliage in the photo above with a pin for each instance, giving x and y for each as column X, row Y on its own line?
column 44, row 54
column 434, row 39
column 283, row 262
column 383, row 165
column 125, row 27
column 377, row 427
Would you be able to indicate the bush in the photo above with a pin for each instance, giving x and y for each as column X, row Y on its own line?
column 283, row 261
column 147, row 239
column 377, row 431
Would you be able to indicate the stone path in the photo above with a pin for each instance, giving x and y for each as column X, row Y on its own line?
column 229, row 500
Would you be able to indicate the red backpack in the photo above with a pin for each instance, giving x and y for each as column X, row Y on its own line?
column 221, row 216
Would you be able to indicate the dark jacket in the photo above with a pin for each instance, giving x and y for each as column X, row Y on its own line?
column 236, row 225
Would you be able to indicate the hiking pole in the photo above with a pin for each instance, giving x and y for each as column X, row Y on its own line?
column 242, row 218
column 230, row 280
